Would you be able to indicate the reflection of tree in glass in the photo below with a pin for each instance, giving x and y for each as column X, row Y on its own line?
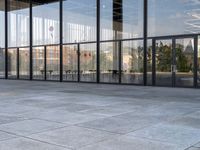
column 163, row 57
column 183, row 60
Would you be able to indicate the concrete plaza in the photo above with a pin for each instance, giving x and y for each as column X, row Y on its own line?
column 72, row 116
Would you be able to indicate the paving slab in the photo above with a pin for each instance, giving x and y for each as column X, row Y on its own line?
column 27, row 144
column 28, row 127
column 175, row 134
column 132, row 143
column 73, row 137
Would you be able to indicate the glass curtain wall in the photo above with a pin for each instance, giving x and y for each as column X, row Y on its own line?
column 45, row 22
column 2, row 39
column 46, row 33
column 12, row 63
column 109, row 62
column 70, row 62
column 149, row 62
column 175, row 17
column 24, row 62
column 198, row 59
column 18, row 23
column 132, row 62
column 88, row 62
column 121, row 19
column 79, row 21
column 2, row 63
column 38, row 63
column 53, row 62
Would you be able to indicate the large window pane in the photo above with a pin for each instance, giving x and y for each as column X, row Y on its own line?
column 121, row 19
column 169, row 17
column 198, row 69
column 149, row 62
column 109, row 62
column 132, row 62
column 24, row 63
column 45, row 22
column 12, row 63
column 79, row 18
column 2, row 63
column 184, row 62
column 70, row 63
column 18, row 23
column 88, row 62
column 38, row 63
column 53, row 62
column 2, row 24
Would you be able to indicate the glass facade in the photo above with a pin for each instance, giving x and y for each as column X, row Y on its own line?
column 46, row 23
column 140, row 42
column 173, row 17
column 121, row 19
column 70, row 62
column 24, row 63
column 79, row 21
column 38, row 63
column 18, row 23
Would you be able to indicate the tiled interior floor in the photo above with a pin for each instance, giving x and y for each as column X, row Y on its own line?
column 73, row 116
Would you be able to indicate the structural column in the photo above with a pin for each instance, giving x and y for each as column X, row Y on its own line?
column 6, row 39
column 98, row 40
column 31, row 40
column 61, row 40
column 145, row 40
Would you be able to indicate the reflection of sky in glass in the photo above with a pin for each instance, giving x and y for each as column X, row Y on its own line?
column 2, row 29
column 168, row 17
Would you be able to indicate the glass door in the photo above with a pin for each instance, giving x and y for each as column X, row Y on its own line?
column 174, row 62
column 163, row 62
column 184, row 62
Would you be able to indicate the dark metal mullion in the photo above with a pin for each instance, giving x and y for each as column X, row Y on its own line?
column 61, row 40
column 45, row 63
column 98, row 40
column 145, row 41
column 6, row 39
column 18, row 63
column 153, row 62
column 195, row 61
column 31, row 40
column 78, row 53
column 173, row 63
column 120, row 61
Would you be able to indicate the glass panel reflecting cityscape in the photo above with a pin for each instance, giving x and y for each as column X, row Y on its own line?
column 174, row 17
column 38, row 63
column 198, row 59
column 164, row 62
column 2, row 63
column 109, row 62
column 184, row 62
column 149, row 62
column 53, row 62
column 12, row 63
column 88, row 62
column 46, row 22
column 132, row 62
column 18, row 23
column 164, row 54
column 121, row 19
column 70, row 63
column 24, row 63
column 79, row 21
column 2, row 24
